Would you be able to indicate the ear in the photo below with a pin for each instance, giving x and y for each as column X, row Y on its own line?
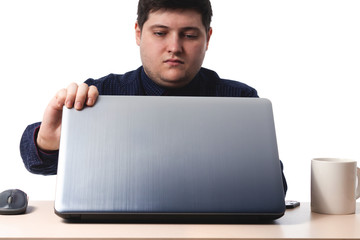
column 137, row 33
column 208, row 38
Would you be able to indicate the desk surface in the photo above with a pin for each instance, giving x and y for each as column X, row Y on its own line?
column 40, row 222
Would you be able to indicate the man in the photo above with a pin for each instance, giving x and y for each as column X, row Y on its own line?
column 173, row 36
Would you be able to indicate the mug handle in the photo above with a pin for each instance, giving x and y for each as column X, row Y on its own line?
column 357, row 193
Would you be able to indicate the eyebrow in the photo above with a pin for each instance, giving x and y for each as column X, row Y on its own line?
column 166, row 27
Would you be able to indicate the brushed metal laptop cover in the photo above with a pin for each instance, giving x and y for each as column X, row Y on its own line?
column 151, row 158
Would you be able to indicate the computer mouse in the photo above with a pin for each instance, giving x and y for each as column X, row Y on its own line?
column 13, row 201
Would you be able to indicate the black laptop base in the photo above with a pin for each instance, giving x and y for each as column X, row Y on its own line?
column 185, row 218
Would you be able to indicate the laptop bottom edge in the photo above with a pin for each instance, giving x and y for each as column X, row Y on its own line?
column 186, row 218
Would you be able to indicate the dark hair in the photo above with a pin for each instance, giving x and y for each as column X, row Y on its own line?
column 201, row 6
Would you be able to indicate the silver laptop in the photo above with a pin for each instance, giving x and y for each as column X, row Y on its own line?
column 170, row 159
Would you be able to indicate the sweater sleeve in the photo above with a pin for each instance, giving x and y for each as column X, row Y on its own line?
column 35, row 160
column 283, row 177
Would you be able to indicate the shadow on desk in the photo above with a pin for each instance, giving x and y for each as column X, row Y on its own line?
column 30, row 209
column 299, row 215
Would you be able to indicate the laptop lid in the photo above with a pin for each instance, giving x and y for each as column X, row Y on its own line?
column 147, row 158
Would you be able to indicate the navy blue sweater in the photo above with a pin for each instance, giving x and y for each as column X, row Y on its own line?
column 206, row 83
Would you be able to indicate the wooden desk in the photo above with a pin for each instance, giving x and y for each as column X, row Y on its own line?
column 40, row 222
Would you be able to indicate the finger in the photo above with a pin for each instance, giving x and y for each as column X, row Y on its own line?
column 59, row 99
column 81, row 96
column 71, row 95
column 93, row 93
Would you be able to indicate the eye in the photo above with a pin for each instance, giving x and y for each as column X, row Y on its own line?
column 191, row 36
column 159, row 34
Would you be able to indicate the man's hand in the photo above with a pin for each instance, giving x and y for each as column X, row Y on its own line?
column 74, row 95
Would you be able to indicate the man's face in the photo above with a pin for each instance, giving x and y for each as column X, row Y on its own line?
column 172, row 46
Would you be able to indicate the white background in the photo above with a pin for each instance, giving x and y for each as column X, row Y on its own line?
column 302, row 55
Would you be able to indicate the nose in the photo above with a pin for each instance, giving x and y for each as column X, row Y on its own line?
column 174, row 44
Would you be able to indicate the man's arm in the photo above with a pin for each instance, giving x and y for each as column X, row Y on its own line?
column 35, row 160
column 48, row 138
column 283, row 177
column 40, row 141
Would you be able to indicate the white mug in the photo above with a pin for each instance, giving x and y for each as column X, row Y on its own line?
column 335, row 185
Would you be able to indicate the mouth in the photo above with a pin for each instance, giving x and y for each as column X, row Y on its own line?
column 174, row 62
